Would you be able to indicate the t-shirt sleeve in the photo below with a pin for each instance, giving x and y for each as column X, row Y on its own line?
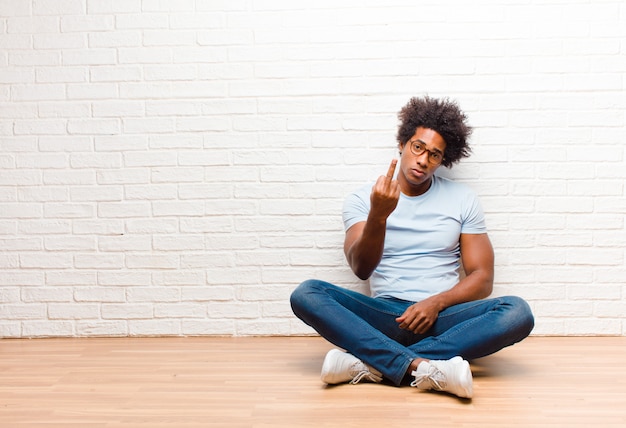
column 473, row 217
column 356, row 208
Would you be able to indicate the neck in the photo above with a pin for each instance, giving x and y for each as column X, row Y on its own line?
column 416, row 190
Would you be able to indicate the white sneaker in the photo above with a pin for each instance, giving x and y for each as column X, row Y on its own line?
column 340, row 367
column 453, row 376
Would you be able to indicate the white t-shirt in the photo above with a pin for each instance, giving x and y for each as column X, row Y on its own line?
column 421, row 255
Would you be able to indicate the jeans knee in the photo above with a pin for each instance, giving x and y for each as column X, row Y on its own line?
column 301, row 295
column 521, row 315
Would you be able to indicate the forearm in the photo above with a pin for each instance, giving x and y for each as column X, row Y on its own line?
column 365, row 241
column 366, row 251
column 475, row 286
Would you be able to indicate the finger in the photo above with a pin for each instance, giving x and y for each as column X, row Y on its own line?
column 392, row 169
column 415, row 325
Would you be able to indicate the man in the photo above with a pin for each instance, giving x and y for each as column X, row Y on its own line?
column 411, row 236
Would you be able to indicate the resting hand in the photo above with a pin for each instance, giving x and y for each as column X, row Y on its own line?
column 419, row 317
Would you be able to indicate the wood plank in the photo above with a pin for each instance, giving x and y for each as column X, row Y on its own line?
column 274, row 382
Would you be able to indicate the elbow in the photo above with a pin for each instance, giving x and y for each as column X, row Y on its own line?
column 361, row 271
column 487, row 285
column 362, row 274
column 487, row 290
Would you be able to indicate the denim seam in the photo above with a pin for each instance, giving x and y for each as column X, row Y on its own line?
column 341, row 291
column 470, row 306
column 410, row 356
column 461, row 329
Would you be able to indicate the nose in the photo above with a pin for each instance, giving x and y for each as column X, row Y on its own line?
column 422, row 159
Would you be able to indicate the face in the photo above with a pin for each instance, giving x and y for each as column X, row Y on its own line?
column 416, row 171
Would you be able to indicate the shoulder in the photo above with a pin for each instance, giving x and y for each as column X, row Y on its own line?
column 361, row 193
column 356, row 206
column 457, row 188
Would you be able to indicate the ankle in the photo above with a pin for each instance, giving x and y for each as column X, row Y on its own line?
column 415, row 364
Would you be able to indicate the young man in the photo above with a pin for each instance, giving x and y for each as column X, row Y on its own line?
column 411, row 236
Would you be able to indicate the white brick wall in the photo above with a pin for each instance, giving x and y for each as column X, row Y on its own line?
column 177, row 167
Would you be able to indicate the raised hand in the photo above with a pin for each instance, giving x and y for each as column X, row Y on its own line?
column 385, row 194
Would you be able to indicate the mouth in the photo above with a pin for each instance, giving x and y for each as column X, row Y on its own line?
column 418, row 172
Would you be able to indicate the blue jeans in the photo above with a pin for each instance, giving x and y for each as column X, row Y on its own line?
column 366, row 327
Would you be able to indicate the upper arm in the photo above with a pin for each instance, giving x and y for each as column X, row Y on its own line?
column 477, row 255
column 352, row 234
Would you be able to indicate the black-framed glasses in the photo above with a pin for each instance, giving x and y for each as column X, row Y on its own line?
column 418, row 148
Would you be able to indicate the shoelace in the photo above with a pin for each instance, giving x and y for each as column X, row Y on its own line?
column 360, row 375
column 360, row 372
column 435, row 376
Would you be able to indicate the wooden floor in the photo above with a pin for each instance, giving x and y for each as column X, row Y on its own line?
column 274, row 382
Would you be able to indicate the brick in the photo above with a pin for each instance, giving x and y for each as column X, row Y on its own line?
column 208, row 327
column 69, row 243
column 178, row 243
column 208, row 294
column 180, row 310
column 117, row 109
column 32, row 24
column 123, row 209
column 87, row 23
column 210, row 224
column 115, row 39
column 127, row 311
column 58, row 7
column 179, row 278
column 155, row 327
column 148, row 192
column 65, row 144
column 153, row 225
column 12, row 76
column 122, row 242
column 97, row 227
column 237, row 310
column 10, row 329
column 96, row 328
column 30, row 311
column 93, row 126
column 59, row 41
column 14, row 244
column 40, row 127
column 69, row 210
column 58, row 75
column 113, row 6
column 179, row 208
column 46, row 294
column 72, row 278
column 152, row 262
column 123, row 279
column 9, row 295
column 45, row 261
column 262, row 327
column 592, row 327
column 202, row 260
column 73, row 311
column 99, row 294
column 48, row 328
column 93, row 56
column 99, row 261
column 153, row 294
column 34, row 58
column 96, row 194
